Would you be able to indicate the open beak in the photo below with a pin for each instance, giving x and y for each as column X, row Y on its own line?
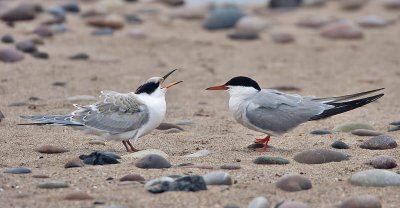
column 221, row 87
column 172, row 84
column 169, row 73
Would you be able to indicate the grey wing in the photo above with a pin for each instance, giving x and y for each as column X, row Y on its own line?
column 276, row 112
column 117, row 113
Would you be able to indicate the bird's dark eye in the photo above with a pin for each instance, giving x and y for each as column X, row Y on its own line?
column 148, row 88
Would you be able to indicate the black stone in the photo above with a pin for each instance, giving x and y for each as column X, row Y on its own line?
column 339, row 145
column 40, row 55
column 72, row 7
column 283, row 4
column 266, row 160
column 7, row 39
column 79, row 56
column 99, row 158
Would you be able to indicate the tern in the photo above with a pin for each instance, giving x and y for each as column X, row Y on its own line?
column 119, row 116
column 274, row 113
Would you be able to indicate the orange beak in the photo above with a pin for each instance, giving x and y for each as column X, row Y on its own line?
column 172, row 84
column 221, row 87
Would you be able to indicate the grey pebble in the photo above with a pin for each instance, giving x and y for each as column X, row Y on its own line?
column 153, row 161
column 259, row 202
column 365, row 132
column 339, row 145
column 383, row 162
column 394, row 128
column 26, row 46
column 223, row 17
column 230, row 166
column 362, row 201
column 80, row 56
column 379, row 143
column 395, row 123
column 184, row 123
column 231, row 205
column 10, row 55
column 53, row 185
column 375, row 178
column 217, row 178
column 319, row 156
column 7, row 38
column 267, row 160
column 40, row 55
column 106, row 31
column 321, row 132
column 185, row 183
column 293, row 182
column 20, row 170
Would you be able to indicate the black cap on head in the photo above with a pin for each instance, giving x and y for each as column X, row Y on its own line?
column 244, row 82
column 148, row 87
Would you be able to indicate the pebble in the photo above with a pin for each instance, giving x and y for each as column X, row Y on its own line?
column 166, row 126
column 78, row 196
column 59, row 84
column 79, row 98
column 362, row 201
column 186, row 183
column 314, row 21
column 259, row 202
column 57, row 11
column 231, row 205
column 383, row 162
column 184, row 122
column 321, row 132
column 133, row 19
column 293, row 204
column 319, row 156
column 97, row 142
column 380, row 142
column 100, row 158
column 112, row 22
column 133, row 177
column 74, row 163
column 282, row 37
column 173, row 2
column 72, row 7
column 392, row 4
column 2, row 116
column 43, row 31
column 286, row 4
column 352, row 4
column 20, row 170
column 190, row 12
column 342, row 30
column 395, row 123
column 143, row 153
column 26, row 46
column 79, row 56
column 217, row 178
column 230, row 167
column 103, row 31
column 53, row 185
column 223, row 17
column 10, row 55
column 293, row 182
column 21, row 12
column 375, row 178
column 394, row 128
column 7, row 38
column 268, row 160
column 365, row 132
column 40, row 176
column 350, row 126
column 40, row 55
column 153, row 161
column 50, row 149
column 248, row 28
column 59, row 28
column 200, row 153
column 372, row 21
column 137, row 33
column 339, row 145
column 314, row 3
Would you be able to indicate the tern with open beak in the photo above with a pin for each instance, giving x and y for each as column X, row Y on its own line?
column 273, row 113
column 119, row 116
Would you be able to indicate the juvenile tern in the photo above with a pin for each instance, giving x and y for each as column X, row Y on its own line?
column 119, row 116
column 273, row 113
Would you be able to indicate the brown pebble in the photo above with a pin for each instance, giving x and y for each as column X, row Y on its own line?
column 282, row 37
column 383, row 162
column 342, row 30
column 110, row 22
column 133, row 177
column 293, row 182
column 78, row 196
column 363, row 201
column 50, row 149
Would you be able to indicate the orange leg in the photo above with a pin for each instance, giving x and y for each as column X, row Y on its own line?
column 263, row 141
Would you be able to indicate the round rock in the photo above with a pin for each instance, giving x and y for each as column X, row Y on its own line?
column 10, row 55
column 52, row 185
column 380, row 142
column 132, row 177
column 351, row 126
column 248, row 28
column 223, row 17
column 293, row 182
column 267, row 160
column 375, row 178
column 26, row 46
column 342, row 30
column 362, row 201
column 383, row 162
column 22, row 12
column 293, row 204
column 365, row 132
column 319, row 156
column 50, row 149
column 282, row 37
column 7, row 38
column 217, row 178
column 339, row 145
column 153, row 161
column 259, row 202
column 20, row 170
